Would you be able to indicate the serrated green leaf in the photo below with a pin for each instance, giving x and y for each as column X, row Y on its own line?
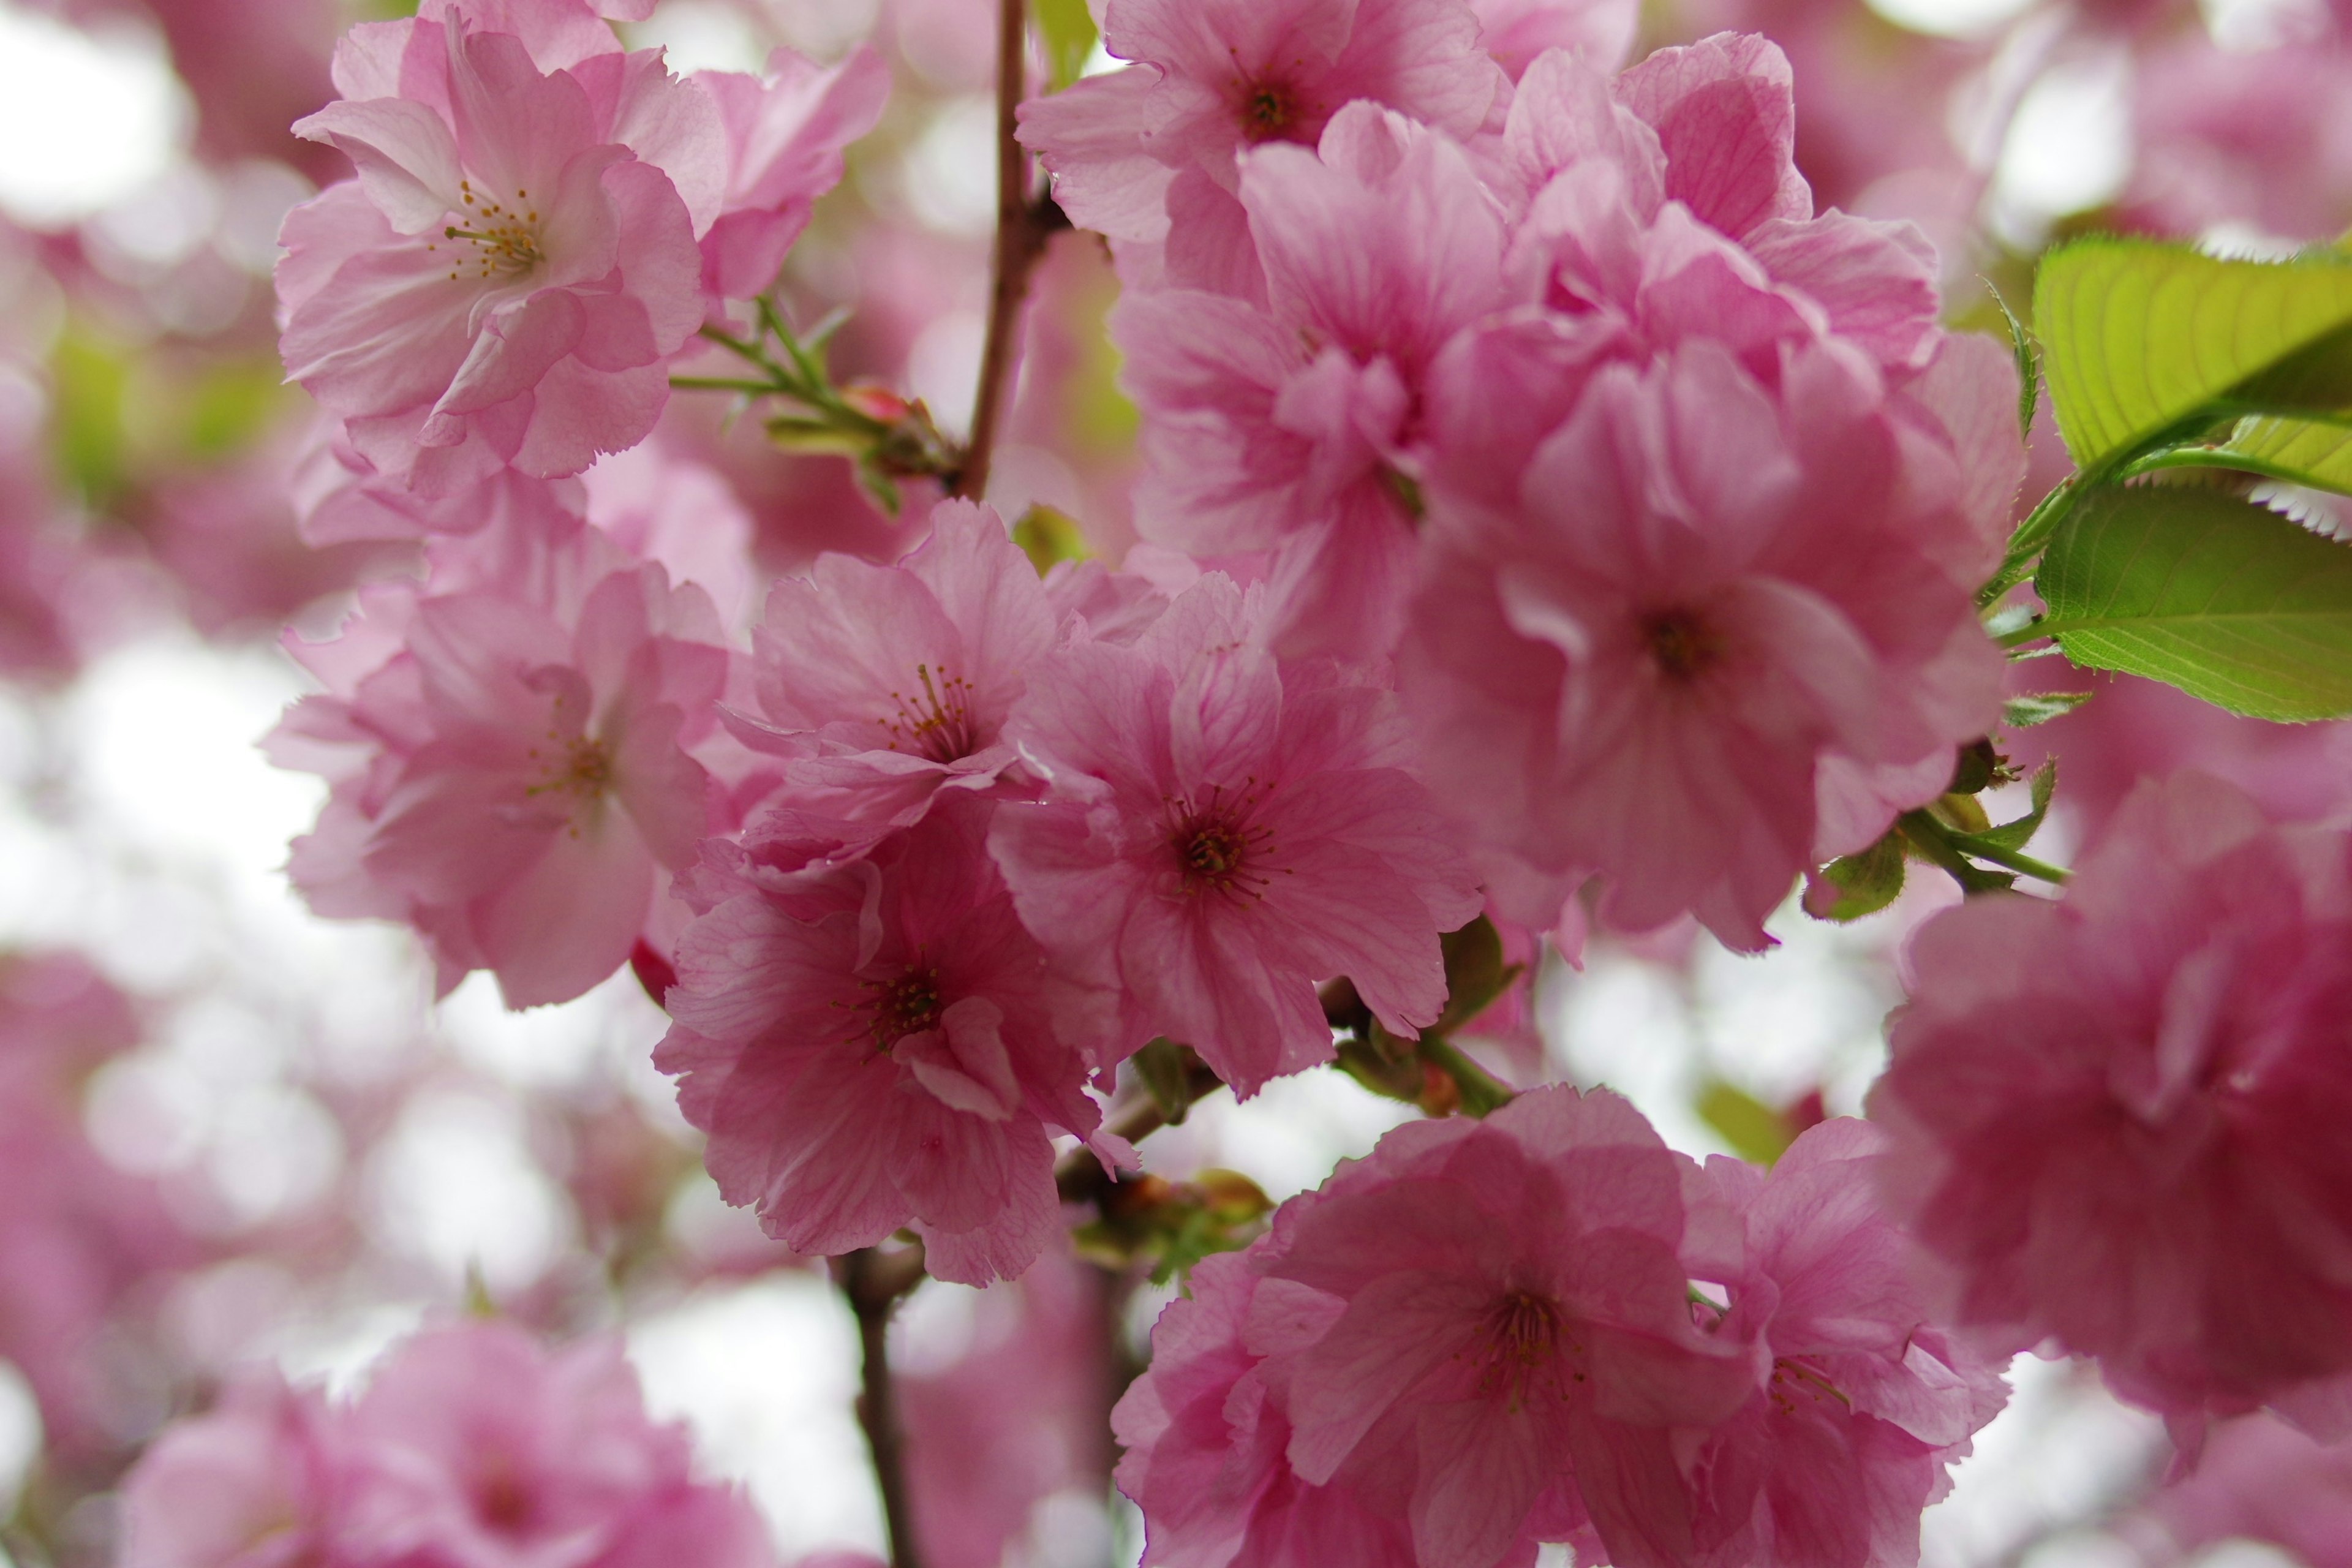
column 1853, row 886
column 1755, row 1130
column 2139, row 339
column 2222, row 598
column 2041, row 707
column 1069, row 31
column 2018, row 834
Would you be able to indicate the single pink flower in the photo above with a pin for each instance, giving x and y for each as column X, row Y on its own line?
column 1868, row 1400
column 1214, row 78
column 785, row 134
column 868, row 1037
column 1497, row 1309
column 508, row 275
column 252, row 1483
column 507, row 757
column 1280, row 422
column 882, row 685
column 1204, row 1439
column 1704, row 601
column 1220, row 834
column 2118, row 1118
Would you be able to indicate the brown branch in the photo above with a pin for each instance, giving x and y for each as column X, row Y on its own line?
column 1023, row 223
column 873, row 1281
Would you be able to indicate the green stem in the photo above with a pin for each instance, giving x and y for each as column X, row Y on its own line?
column 1481, row 1091
column 2018, row 861
column 722, row 383
column 2211, row 458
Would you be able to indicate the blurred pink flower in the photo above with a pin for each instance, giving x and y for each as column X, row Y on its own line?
column 1716, row 634
column 868, row 1037
column 1214, row 78
column 507, row 756
column 472, row 1447
column 1220, row 834
column 1868, row 1400
column 2117, row 1118
column 2257, row 1478
column 785, row 140
column 456, row 320
column 882, row 685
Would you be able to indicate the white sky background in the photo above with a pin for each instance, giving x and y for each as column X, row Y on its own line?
column 154, row 844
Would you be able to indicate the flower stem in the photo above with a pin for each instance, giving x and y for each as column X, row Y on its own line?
column 1023, row 223
column 873, row 1282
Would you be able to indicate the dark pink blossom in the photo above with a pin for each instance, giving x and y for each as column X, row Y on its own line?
column 1214, row 78
column 1868, row 1400
column 508, row 275
column 1221, row 834
column 882, row 685
column 2117, row 1118
column 508, row 758
column 1714, row 633
column 868, row 1037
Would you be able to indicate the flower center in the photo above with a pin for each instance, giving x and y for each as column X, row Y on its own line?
column 1523, row 1340
column 1268, row 110
column 495, row 241
column 936, row 722
column 584, row 768
column 1681, row 644
column 1793, row 1380
column 1216, row 847
column 897, row 1008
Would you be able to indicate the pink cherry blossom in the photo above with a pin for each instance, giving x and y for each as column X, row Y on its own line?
column 886, row 685
column 1495, row 1313
column 1714, row 632
column 1220, row 834
column 1205, row 1439
column 785, row 140
column 1869, row 1399
column 506, row 277
column 1215, row 78
column 507, row 758
column 1278, row 421
column 251, row 1483
column 1516, row 31
column 868, row 1037
column 2256, row 1478
column 2115, row 1116
column 472, row 1447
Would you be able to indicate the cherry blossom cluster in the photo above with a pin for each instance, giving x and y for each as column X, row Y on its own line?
column 470, row 1445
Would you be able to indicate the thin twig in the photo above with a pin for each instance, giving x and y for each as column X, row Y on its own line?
column 873, row 1281
column 1023, row 224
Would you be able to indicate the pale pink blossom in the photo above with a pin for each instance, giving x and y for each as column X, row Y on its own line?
column 2117, row 1118
column 1222, row 834
column 505, row 279
column 866, row 1035
column 1215, row 78
column 785, row 134
column 507, row 752
column 882, row 685
column 1280, row 421
column 2255, row 1478
column 472, row 1447
column 1868, row 1400
column 1516, row 31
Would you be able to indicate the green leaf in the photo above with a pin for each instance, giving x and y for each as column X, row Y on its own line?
column 1475, row 973
column 2029, row 373
column 2318, row 452
column 2225, row 599
column 1165, row 1069
column 2039, row 707
column 2140, row 339
column 1049, row 538
column 2018, row 834
column 1853, row 886
column 1755, row 1130
column 1068, row 30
